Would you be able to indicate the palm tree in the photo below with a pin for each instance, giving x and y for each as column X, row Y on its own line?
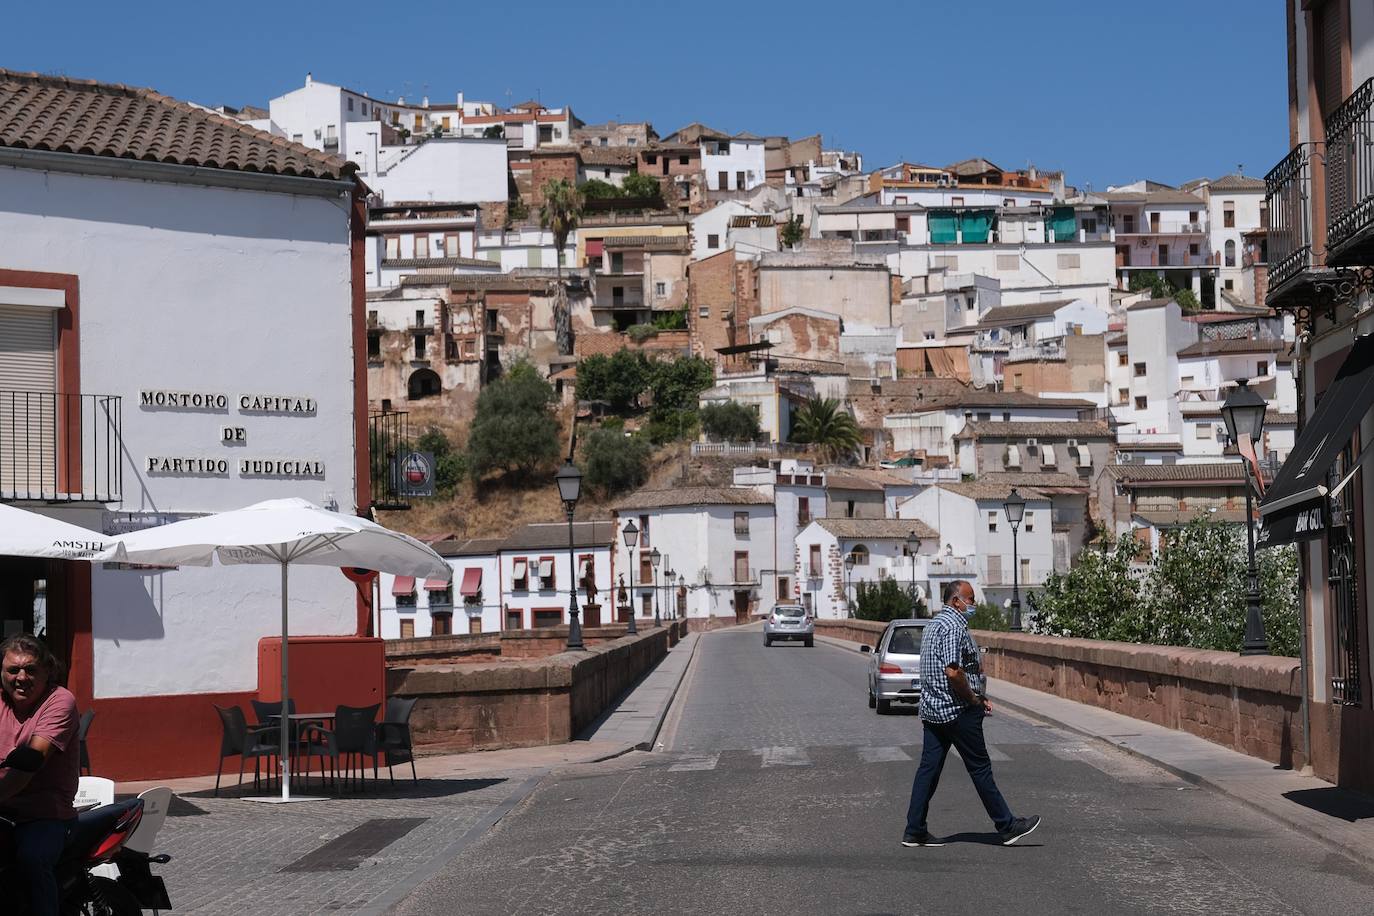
column 560, row 212
column 825, row 426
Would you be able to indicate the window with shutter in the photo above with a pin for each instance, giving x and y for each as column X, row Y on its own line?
column 1327, row 28
column 28, row 401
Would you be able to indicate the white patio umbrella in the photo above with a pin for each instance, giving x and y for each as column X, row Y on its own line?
column 283, row 532
column 28, row 534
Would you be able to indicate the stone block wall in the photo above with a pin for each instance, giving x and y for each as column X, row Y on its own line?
column 526, row 690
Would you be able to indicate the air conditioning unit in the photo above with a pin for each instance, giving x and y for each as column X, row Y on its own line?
column 1032, row 443
column 1073, row 443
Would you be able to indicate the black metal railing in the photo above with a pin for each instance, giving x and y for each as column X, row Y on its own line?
column 60, row 447
column 1288, row 195
column 388, row 440
column 1350, row 171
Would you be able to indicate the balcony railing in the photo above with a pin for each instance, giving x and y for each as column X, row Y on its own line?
column 1350, row 178
column 1288, row 196
column 60, row 447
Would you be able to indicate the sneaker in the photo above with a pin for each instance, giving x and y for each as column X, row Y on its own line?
column 922, row 839
column 1020, row 827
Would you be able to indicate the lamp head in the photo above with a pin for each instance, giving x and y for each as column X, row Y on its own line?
column 1244, row 412
column 654, row 558
column 1015, row 507
column 569, row 480
column 631, row 534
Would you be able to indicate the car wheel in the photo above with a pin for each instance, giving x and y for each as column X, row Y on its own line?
column 767, row 642
column 872, row 700
column 884, row 707
column 810, row 642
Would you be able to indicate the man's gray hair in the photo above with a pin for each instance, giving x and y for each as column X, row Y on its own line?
column 28, row 644
column 951, row 590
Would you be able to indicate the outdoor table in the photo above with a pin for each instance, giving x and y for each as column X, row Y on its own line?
column 298, row 719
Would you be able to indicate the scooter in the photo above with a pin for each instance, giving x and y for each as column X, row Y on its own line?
column 99, row 836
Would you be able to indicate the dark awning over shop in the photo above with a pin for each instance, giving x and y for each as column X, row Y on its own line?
column 1295, row 508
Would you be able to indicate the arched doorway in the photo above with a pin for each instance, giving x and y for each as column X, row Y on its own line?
column 424, row 383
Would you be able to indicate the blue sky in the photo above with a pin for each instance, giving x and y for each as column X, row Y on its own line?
column 1109, row 92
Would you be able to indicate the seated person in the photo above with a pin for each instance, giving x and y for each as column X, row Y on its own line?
column 38, row 719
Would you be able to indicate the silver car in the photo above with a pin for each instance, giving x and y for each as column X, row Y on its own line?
column 894, row 673
column 789, row 621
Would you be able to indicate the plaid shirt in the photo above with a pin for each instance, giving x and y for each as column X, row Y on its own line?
column 947, row 641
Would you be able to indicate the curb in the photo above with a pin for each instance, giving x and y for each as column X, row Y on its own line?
column 662, row 716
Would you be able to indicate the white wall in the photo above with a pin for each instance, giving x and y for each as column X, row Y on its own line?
column 212, row 290
column 447, row 169
column 488, row 612
column 744, row 156
column 700, row 543
column 528, row 599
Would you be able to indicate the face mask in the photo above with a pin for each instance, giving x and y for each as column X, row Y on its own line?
column 968, row 612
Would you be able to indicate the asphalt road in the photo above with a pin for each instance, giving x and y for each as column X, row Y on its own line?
column 779, row 791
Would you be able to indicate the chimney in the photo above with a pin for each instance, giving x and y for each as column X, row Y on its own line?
column 424, row 102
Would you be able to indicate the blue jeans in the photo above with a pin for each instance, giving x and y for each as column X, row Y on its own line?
column 966, row 734
column 38, row 846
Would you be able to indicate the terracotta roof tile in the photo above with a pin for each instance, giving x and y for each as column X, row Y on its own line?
column 1048, row 429
column 877, row 528
column 85, row 117
column 694, row 496
column 1170, row 473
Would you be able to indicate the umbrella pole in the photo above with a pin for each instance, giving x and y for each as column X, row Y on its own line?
column 285, row 757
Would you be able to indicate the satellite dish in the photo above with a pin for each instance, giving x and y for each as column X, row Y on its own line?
column 1006, row 603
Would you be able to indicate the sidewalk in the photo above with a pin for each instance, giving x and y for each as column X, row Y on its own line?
column 364, row 851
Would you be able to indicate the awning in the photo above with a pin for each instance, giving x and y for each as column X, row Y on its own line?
column 1085, row 457
column 472, row 582
column 518, row 569
column 436, row 585
column 1294, row 508
column 595, row 248
column 1047, row 459
column 405, row 585
column 545, row 568
column 1013, row 456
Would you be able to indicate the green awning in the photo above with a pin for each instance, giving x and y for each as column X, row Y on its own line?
column 976, row 224
column 1063, row 224
column 944, row 227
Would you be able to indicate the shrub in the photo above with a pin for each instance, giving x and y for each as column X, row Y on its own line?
column 615, row 462
column 989, row 616
column 730, row 422
column 514, row 425
column 641, row 332
column 886, row 600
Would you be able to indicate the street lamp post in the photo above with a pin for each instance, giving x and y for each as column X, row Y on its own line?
column 631, row 535
column 913, row 544
column 1015, row 507
column 654, row 559
column 848, row 582
column 1244, row 416
column 569, row 480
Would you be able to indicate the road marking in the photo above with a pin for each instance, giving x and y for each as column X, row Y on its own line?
column 882, row 754
column 695, row 763
column 994, row 754
column 784, row 757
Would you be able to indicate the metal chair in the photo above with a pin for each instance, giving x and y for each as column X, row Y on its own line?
column 86, row 718
column 245, row 741
column 353, row 737
column 393, row 735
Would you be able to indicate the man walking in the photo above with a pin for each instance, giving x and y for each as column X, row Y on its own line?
column 952, row 711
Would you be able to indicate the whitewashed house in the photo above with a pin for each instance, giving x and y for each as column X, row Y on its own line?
column 880, row 548
column 412, row 607
column 159, row 285
column 717, row 541
column 535, row 577
column 976, row 538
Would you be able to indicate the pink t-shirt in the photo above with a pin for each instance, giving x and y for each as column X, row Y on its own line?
column 49, row 794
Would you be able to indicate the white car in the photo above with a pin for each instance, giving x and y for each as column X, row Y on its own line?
column 789, row 621
column 894, row 674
